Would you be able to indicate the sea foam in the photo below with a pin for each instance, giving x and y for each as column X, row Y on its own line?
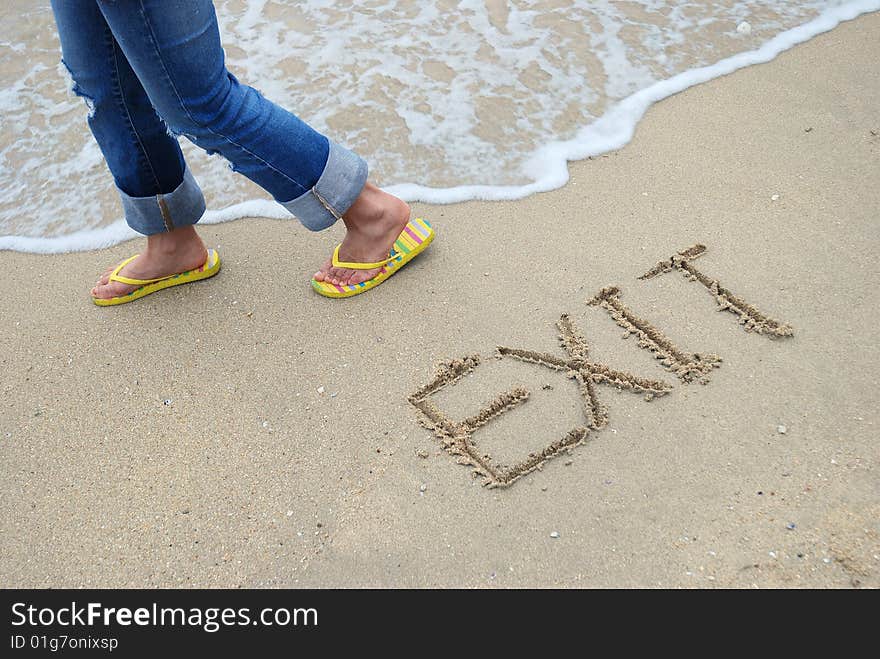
column 448, row 101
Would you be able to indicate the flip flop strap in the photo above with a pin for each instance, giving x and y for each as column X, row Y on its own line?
column 359, row 266
column 115, row 276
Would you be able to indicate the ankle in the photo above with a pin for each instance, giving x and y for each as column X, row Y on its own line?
column 178, row 241
column 374, row 210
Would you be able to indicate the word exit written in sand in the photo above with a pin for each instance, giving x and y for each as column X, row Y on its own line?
column 457, row 437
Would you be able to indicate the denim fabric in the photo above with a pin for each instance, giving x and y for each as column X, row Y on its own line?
column 185, row 202
column 150, row 70
column 338, row 186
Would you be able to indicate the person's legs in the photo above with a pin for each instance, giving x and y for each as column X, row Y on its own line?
column 174, row 48
column 160, row 197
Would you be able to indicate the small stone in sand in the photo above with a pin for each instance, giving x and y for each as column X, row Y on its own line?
column 554, row 534
column 781, row 429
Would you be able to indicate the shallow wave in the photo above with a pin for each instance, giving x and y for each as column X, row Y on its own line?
column 449, row 101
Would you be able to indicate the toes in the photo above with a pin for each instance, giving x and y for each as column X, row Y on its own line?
column 360, row 276
column 100, row 292
column 335, row 276
column 347, row 276
column 105, row 292
column 342, row 276
column 324, row 274
column 104, row 279
column 111, row 289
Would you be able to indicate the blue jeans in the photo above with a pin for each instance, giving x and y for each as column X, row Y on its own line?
column 150, row 70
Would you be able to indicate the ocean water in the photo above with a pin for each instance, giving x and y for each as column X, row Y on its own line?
column 447, row 100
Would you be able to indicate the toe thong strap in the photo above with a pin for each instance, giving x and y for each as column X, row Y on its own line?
column 359, row 266
column 115, row 276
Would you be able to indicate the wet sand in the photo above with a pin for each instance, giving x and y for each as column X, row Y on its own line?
column 182, row 440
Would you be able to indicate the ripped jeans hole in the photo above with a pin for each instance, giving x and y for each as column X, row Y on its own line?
column 215, row 152
column 74, row 88
column 169, row 130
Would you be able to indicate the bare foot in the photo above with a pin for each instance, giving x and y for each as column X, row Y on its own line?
column 373, row 223
column 166, row 254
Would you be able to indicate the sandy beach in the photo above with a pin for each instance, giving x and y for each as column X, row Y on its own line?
column 245, row 432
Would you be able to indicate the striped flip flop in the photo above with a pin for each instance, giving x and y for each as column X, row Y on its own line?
column 413, row 240
column 210, row 268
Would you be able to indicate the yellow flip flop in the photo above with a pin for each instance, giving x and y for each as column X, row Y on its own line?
column 210, row 268
column 413, row 240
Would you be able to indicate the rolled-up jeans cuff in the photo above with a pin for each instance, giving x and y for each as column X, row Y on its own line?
column 164, row 212
column 340, row 184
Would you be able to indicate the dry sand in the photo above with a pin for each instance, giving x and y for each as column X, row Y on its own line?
column 251, row 477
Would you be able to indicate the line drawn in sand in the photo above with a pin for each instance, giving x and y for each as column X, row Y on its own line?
column 586, row 373
column 687, row 366
column 750, row 318
column 456, row 437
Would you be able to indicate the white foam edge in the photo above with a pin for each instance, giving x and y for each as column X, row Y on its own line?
column 548, row 165
column 614, row 129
